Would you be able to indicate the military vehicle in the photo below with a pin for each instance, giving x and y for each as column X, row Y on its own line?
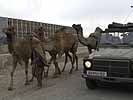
column 114, row 60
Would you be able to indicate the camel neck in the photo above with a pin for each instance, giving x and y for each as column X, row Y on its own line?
column 10, row 39
column 81, row 38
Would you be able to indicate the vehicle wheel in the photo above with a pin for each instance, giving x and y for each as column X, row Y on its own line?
column 91, row 84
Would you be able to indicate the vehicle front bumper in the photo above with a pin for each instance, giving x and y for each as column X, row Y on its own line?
column 108, row 79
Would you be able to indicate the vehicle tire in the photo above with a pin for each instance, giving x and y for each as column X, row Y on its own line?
column 91, row 84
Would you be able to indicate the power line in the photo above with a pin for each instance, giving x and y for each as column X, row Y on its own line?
column 128, row 14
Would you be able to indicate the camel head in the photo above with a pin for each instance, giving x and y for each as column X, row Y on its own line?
column 10, row 33
column 10, row 30
column 39, row 30
column 78, row 27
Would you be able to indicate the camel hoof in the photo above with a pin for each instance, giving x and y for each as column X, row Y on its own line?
column 55, row 76
column 62, row 71
column 39, row 86
column 27, row 83
column 10, row 89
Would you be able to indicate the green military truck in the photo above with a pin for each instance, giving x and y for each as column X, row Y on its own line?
column 114, row 60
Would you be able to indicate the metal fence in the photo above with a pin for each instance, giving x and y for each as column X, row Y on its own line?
column 24, row 27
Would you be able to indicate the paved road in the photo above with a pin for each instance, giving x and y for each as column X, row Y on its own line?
column 65, row 87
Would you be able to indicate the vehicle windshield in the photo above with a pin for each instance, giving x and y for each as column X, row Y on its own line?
column 117, row 38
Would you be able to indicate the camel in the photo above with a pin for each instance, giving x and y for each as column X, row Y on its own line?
column 20, row 49
column 92, row 41
column 68, row 43
column 59, row 44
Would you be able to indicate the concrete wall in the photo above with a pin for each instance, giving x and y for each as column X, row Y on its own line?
column 3, row 49
column 6, row 59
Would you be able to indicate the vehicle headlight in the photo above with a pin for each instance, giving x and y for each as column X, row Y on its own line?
column 88, row 64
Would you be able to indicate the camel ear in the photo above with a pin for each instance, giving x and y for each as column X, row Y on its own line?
column 13, row 29
column 99, row 29
column 76, row 25
column 34, row 30
column 73, row 25
column 41, row 29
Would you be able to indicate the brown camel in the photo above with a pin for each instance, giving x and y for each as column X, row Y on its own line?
column 59, row 44
column 67, row 43
column 20, row 49
column 92, row 41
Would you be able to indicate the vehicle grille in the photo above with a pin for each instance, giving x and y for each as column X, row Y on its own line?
column 114, row 68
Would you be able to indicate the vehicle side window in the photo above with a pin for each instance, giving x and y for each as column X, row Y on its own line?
column 110, row 39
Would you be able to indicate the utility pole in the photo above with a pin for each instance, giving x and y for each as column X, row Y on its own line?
column 128, row 14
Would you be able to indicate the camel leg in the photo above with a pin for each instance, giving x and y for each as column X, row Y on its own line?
column 72, row 62
column 65, row 62
column 89, row 50
column 76, row 57
column 39, row 84
column 97, row 46
column 56, row 65
column 50, row 61
column 26, row 73
column 32, row 79
column 57, row 69
column 33, row 56
column 46, row 73
column 12, row 73
column 33, row 71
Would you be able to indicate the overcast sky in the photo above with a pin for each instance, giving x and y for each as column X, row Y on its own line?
column 88, row 13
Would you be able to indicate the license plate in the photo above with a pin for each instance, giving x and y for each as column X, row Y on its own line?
column 97, row 73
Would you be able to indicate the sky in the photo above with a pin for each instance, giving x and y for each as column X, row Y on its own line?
column 89, row 13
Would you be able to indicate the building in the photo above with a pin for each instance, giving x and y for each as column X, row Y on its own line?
column 25, row 27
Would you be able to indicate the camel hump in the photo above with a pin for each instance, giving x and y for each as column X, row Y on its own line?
column 62, row 29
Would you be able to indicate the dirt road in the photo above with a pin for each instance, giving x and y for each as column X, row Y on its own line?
column 65, row 87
